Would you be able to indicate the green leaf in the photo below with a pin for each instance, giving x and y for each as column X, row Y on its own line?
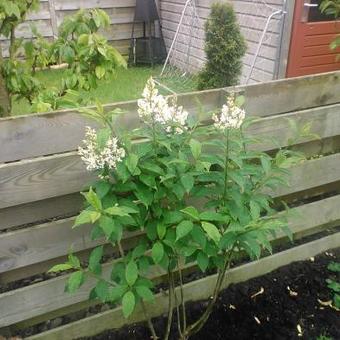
column 196, row 148
column 334, row 267
column 188, row 182
column 211, row 231
column 139, row 250
column 151, row 167
column 157, row 252
column 228, row 240
column 148, row 180
column 128, row 304
column 102, row 188
column 161, row 230
column 131, row 273
column 116, row 211
column 239, row 101
column 73, row 261
column 144, row 194
column 172, row 217
column 266, row 164
column 179, row 191
column 86, row 216
column 199, row 236
column 94, row 260
column 192, row 212
column 60, row 267
column 103, row 136
column 237, row 178
column 74, row 282
column 102, row 290
column 145, row 293
column 183, row 229
column 131, row 162
column 333, row 285
column 116, row 293
column 100, row 72
column 255, row 210
column 202, row 261
column 213, row 216
column 107, row 225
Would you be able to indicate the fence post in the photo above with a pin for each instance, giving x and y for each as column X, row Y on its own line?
column 53, row 18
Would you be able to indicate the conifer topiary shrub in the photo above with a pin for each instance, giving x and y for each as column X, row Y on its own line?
column 224, row 48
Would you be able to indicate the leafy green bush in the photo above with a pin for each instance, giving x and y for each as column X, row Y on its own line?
column 334, row 284
column 145, row 187
column 224, row 48
column 87, row 53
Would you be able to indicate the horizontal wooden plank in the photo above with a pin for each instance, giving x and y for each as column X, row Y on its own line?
column 312, row 174
column 276, row 131
column 40, row 211
column 43, row 242
column 193, row 291
column 61, row 5
column 287, row 95
column 32, row 136
column 44, row 134
column 41, row 178
column 49, row 295
column 62, row 174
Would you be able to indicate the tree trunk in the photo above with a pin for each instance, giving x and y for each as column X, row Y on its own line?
column 5, row 100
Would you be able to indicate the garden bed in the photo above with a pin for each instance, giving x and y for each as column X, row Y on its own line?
column 285, row 304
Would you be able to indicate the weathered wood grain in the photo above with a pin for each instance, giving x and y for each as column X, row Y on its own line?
column 39, row 211
column 287, row 95
column 44, row 134
column 275, row 131
column 193, row 291
column 46, row 177
column 49, row 295
column 41, row 178
column 55, row 132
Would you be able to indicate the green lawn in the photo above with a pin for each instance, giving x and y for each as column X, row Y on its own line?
column 124, row 85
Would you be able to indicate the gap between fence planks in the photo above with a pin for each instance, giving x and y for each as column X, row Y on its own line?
column 193, row 291
column 47, row 296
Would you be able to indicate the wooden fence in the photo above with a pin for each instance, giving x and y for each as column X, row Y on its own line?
column 52, row 12
column 41, row 176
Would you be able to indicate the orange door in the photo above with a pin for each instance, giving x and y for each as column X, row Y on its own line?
column 311, row 35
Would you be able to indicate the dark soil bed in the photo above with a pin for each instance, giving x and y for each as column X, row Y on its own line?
column 288, row 308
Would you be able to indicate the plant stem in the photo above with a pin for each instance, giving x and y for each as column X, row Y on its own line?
column 121, row 250
column 170, row 306
column 149, row 321
column 226, row 170
column 197, row 326
column 12, row 43
column 184, row 319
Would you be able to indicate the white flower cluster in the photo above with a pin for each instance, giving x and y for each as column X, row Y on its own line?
column 97, row 158
column 153, row 108
column 231, row 116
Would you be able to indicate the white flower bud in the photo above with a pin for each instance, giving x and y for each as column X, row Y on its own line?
column 155, row 109
column 231, row 116
column 97, row 158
